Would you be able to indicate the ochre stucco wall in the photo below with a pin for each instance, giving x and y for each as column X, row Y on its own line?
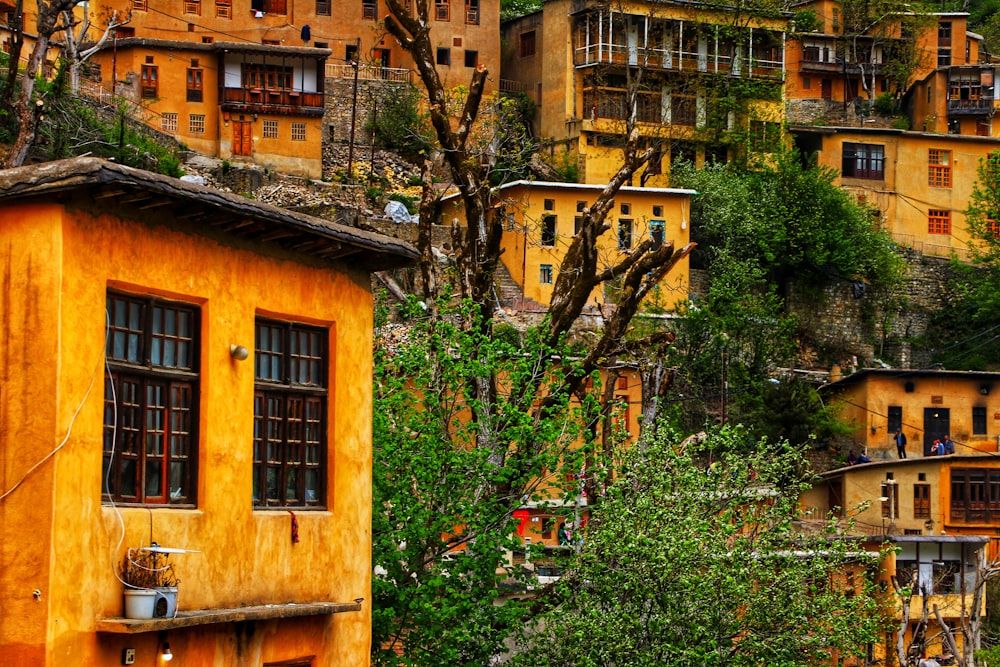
column 57, row 535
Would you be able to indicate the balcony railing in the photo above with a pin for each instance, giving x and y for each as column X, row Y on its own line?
column 338, row 71
column 981, row 107
column 259, row 100
column 675, row 60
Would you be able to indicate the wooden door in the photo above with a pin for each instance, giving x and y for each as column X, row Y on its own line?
column 242, row 138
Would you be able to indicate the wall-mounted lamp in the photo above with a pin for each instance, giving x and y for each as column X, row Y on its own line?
column 985, row 390
column 255, row 118
column 238, row 352
column 165, row 653
column 874, row 429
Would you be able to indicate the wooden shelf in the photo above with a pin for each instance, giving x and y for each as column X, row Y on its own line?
column 186, row 619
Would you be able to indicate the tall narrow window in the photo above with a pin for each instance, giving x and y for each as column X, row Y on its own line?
column 194, row 85
column 369, row 10
column 548, row 230
column 290, row 406
column 921, row 501
column 472, row 12
column 149, row 82
column 625, row 235
column 657, row 231
column 895, row 418
column 150, row 401
column 443, row 55
column 442, row 10
column 939, row 168
column 890, row 504
column 545, row 274
column 979, row 420
column 527, row 43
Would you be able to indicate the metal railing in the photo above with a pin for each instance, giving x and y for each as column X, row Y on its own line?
column 930, row 248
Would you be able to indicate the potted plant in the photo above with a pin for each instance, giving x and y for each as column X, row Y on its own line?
column 150, row 585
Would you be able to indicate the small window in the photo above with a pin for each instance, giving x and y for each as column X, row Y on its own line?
column 527, row 44
column 168, row 123
column 443, row 55
column 549, row 204
column 626, row 209
column 939, row 222
column 577, row 225
column 581, row 206
column 192, row 7
column 939, row 168
column 471, row 58
column 290, row 408
column 806, row 83
column 979, row 421
column 270, row 129
column 545, row 274
column 150, row 400
column 196, row 123
column 139, row 5
column 548, row 231
column 351, row 53
column 369, row 10
column 224, row 9
column 298, row 131
column 195, row 85
column 890, row 506
column 625, row 235
column 442, row 10
column 323, row 8
column 472, row 12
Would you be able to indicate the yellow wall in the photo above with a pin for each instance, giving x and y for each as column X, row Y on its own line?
column 60, row 539
column 523, row 254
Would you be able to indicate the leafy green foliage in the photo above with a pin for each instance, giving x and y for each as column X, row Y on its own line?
column 448, row 472
column 693, row 558
column 399, row 124
column 512, row 9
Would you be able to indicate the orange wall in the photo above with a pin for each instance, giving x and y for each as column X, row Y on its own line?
column 57, row 536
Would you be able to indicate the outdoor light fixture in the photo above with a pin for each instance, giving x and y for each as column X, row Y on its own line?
column 165, row 653
column 238, row 352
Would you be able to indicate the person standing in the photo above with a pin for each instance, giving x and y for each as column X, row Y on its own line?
column 900, row 439
column 947, row 445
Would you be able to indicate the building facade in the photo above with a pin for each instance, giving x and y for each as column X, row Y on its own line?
column 188, row 368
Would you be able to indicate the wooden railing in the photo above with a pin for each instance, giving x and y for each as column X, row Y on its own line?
column 369, row 72
column 260, row 99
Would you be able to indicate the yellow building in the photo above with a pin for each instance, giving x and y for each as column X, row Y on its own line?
column 186, row 367
column 918, row 183
column 578, row 61
column 238, row 101
column 543, row 217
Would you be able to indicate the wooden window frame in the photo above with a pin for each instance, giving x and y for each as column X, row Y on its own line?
column 865, row 161
column 149, row 82
column 195, row 85
column 298, row 131
column 549, row 225
column 545, row 274
column 921, row 501
column 442, row 10
column 939, row 222
column 527, row 44
column 291, row 394
column 269, row 129
column 979, row 421
column 938, row 168
column 168, row 123
column 369, row 10
column 472, row 12
column 196, row 123
column 151, row 394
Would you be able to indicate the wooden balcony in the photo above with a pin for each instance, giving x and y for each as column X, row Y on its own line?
column 676, row 60
column 260, row 100
column 960, row 107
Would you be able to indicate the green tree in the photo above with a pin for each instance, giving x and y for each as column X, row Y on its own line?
column 693, row 558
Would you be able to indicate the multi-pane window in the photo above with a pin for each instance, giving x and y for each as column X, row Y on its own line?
column 939, row 168
column 196, row 123
column 369, row 10
column 290, row 407
column 863, row 161
column 442, row 10
column 527, row 43
column 921, row 501
column 298, row 131
column 938, row 221
column 548, row 230
column 472, row 12
column 270, row 130
column 271, row 77
column 545, row 274
column 149, row 82
column 150, row 400
column 168, row 123
column 979, row 420
column 192, row 7
column 195, row 85
column 625, row 235
column 224, row 9
column 975, row 494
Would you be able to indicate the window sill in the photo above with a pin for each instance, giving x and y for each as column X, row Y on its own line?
column 186, row 619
